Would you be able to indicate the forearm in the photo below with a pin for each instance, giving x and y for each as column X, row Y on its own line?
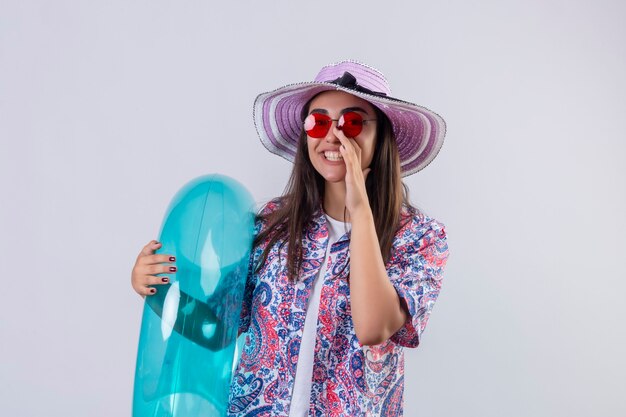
column 377, row 312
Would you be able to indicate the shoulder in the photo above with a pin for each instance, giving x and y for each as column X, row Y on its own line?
column 264, row 214
column 271, row 206
column 419, row 229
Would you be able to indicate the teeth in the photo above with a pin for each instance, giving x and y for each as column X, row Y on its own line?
column 333, row 156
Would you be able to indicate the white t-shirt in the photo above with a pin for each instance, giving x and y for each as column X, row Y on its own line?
column 301, row 396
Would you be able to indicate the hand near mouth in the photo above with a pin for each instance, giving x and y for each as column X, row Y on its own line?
column 356, row 193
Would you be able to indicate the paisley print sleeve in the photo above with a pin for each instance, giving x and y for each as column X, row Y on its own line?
column 416, row 271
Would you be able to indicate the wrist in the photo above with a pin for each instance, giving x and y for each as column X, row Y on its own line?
column 361, row 214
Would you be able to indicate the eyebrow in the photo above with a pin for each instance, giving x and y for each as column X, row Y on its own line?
column 344, row 111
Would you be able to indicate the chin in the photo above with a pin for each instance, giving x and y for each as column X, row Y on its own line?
column 333, row 174
column 334, row 178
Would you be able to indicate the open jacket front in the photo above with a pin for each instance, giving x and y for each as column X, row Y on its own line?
column 348, row 379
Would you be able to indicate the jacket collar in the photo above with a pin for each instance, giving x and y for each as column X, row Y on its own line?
column 319, row 219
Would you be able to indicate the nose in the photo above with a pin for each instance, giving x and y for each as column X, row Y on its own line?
column 331, row 136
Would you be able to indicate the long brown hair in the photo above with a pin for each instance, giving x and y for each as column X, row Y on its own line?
column 304, row 194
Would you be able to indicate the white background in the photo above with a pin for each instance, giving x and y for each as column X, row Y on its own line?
column 108, row 107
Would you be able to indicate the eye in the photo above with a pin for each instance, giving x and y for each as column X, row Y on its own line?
column 351, row 123
column 351, row 119
column 317, row 125
column 321, row 119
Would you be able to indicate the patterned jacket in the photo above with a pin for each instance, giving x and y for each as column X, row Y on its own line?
column 348, row 379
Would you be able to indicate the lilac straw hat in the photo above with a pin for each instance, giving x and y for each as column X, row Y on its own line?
column 419, row 132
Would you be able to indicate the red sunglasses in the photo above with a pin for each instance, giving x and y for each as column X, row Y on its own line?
column 317, row 125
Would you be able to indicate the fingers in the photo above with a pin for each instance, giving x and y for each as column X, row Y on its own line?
column 150, row 248
column 156, row 269
column 148, row 266
column 145, row 291
column 348, row 143
column 147, row 256
column 143, row 283
column 350, row 150
column 351, row 154
column 156, row 259
column 356, row 193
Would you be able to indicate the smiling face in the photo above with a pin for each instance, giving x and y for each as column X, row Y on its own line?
column 324, row 152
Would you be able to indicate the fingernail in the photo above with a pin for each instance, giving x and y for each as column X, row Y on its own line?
column 172, row 258
column 164, row 279
column 172, row 269
column 152, row 290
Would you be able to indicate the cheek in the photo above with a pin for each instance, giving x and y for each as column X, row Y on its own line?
column 311, row 147
column 367, row 154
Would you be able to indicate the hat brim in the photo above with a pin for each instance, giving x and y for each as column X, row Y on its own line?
column 277, row 114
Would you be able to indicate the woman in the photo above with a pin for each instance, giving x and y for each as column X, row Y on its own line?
column 344, row 271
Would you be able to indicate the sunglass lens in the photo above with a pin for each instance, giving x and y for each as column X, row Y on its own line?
column 317, row 125
column 351, row 123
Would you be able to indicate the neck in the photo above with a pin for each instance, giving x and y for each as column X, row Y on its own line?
column 335, row 200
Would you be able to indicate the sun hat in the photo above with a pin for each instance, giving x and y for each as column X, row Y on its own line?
column 278, row 120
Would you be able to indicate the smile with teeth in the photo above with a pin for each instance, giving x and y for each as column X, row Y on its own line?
column 333, row 156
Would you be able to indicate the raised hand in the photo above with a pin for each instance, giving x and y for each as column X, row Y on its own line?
column 356, row 193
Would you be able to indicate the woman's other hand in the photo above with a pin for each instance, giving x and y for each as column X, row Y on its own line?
column 147, row 266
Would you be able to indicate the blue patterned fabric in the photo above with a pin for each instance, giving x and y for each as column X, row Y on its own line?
column 348, row 379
